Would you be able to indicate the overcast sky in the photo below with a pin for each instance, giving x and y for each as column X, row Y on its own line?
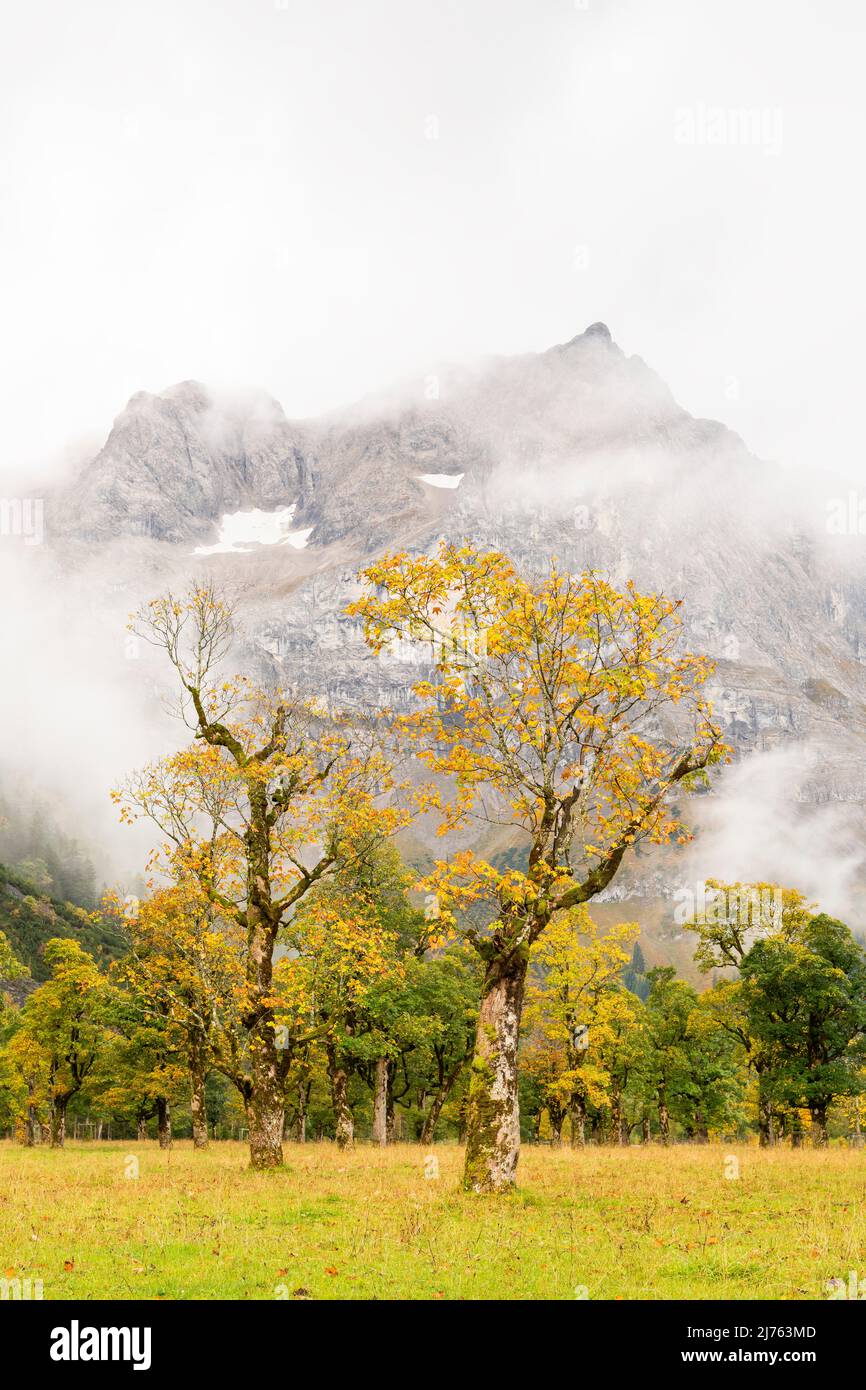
column 320, row 196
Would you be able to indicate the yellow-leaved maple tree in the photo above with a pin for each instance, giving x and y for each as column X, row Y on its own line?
column 271, row 795
column 563, row 707
column 574, row 991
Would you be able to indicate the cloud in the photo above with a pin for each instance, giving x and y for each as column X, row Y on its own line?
column 757, row 828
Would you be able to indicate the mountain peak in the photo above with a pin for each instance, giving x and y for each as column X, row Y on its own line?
column 596, row 335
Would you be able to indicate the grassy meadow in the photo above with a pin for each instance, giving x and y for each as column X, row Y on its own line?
column 604, row 1223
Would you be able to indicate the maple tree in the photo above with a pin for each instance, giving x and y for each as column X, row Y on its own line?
column 561, row 706
column 24, row 1086
column 727, row 925
column 185, row 970
column 64, row 1023
column 573, row 997
column 805, row 1001
column 270, row 796
column 141, row 1071
column 343, row 942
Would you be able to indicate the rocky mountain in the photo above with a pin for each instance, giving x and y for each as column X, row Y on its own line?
column 580, row 451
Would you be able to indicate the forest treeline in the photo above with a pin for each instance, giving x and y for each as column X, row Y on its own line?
column 610, row 1052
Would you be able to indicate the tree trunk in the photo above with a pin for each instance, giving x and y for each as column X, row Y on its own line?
column 664, row 1122
column 380, row 1101
column 198, row 1077
column 31, row 1129
column 556, row 1117
column 58, row 1122
column 344, row 1120
column 431, row 1119
column 438, row 1104
column 578, row 1122
column 265, row 1104
column 765, row 1123
column 303, row 1099
column 819, row 1124
column 163, row 1120
column 493, row 1112
column 616, row 1120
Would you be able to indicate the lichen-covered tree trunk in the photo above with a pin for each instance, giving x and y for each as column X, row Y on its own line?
column 265, row 1106
column 818, row 1112
column 303, row 1102
column 58, row 1122
column 664, row 1121
column 380, row 1102
column 163, row 1121
column 197, row 1078
column 765, row 1119
column 344, row 1120
column 266, row 1102
column 31, row 1127
column 493, row 1111
column 617, row 1134
column 556, row 1116
column 578, row 1122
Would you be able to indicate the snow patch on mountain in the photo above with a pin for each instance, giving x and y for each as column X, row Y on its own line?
column 243, row 531
column 441, row 479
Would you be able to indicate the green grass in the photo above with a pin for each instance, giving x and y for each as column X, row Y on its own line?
column 635, row 1223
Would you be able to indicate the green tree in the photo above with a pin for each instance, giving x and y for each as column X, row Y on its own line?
column 733, row 916
column 666, row 1064
column 806, row 1003
column 65, row 1020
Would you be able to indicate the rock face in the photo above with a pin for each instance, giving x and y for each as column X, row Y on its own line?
column 579, row 451
column 175, row 463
